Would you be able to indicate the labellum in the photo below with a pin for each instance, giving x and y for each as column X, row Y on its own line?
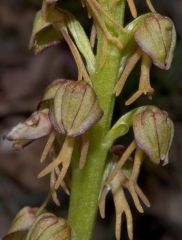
column 156, row 40
column 120, row 202
column 116, row 185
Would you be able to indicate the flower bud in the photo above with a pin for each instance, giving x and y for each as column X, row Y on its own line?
column 36, row 126
column 49, row 227
column 76, row 108
column 153, row 131
column 156, row 36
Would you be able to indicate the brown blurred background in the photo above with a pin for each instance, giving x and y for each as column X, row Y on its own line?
column 23, row 78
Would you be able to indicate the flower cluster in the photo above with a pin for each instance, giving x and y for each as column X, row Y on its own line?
column 70, row 108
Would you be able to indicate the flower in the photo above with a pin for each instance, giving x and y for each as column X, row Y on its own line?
column 75, row 109
column 156, row 40
column 153, row 134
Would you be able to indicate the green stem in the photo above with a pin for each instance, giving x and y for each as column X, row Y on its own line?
column 86, row 183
